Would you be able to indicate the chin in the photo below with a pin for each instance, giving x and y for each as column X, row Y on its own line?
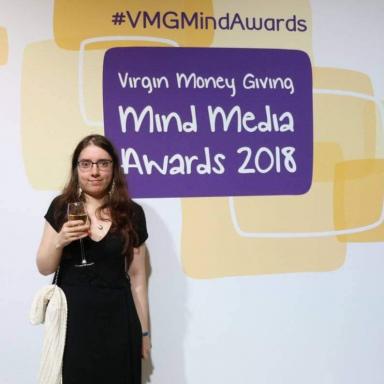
column 96, row 193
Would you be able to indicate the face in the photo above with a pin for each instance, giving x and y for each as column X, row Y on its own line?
column 95, row 181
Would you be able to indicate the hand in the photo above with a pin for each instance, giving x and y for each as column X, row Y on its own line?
column 146, row 347
column 72, row 230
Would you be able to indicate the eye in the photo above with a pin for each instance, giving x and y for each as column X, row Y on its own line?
column 85, row 163
column 104, row 163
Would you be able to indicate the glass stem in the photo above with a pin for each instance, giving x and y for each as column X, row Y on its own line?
column 83, row 259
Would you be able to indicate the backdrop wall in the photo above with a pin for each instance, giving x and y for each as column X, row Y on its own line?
column 252, row 135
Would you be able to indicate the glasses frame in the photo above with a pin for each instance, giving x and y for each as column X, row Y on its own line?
column 97, row 163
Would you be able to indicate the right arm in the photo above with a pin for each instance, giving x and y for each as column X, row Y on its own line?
column 52, row 244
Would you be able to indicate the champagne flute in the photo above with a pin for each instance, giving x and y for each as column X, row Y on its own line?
column 77, row 211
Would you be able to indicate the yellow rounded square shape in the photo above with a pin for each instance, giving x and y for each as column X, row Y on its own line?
column 75, row 21
column 3, row 46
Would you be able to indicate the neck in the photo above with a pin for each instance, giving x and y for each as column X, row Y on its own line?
column 94, row 202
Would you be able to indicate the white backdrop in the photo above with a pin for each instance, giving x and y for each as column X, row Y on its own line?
column 318, row 328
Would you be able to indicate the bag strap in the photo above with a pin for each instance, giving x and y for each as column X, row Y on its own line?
column 56, row 276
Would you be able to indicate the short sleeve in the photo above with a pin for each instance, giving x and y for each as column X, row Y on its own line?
column 139, row 224
column 50, row 215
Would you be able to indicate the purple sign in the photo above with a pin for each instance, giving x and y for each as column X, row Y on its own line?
column 210, row 121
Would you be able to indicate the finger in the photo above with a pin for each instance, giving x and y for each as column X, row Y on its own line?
column 76, row 235
column 77, row 229
column 74, row 223
column 82, row 235
column 80, row 229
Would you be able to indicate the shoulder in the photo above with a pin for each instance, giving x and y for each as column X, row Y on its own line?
column 139, row 222
column 136, row 208
column 55, row 203
column 55, row 212
column 138, row 215
column 56, row 200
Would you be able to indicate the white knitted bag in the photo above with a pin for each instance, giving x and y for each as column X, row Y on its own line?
column 49, row 306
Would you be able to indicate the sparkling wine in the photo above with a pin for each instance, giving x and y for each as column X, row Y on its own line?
column 77, row 211
column 78, row 216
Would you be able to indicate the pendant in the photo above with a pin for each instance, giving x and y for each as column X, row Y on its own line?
column 100, row 227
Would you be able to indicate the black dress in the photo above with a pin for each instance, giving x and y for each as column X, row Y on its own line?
column 103, row 342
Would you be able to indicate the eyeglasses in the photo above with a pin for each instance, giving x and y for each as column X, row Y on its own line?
column 86, row 165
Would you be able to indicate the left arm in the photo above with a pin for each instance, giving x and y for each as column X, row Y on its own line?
column 138, row 277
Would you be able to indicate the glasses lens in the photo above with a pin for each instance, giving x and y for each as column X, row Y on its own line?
column 85, row 164
column 103, row 164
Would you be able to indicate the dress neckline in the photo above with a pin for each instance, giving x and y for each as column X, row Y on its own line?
column 99, row 241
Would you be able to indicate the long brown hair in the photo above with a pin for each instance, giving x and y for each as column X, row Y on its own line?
column 118, row 203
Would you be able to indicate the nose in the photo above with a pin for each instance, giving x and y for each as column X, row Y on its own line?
column 94, row 169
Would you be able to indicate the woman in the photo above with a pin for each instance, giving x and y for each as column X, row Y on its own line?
column 107, row 326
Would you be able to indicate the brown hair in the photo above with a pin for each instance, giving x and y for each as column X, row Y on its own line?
column 119, row 203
